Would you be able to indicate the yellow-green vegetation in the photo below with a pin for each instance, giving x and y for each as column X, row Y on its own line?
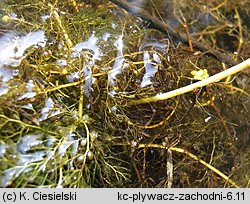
column 73, row 78
column 200, row 74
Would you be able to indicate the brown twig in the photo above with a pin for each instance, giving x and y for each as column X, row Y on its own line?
column 240, row 31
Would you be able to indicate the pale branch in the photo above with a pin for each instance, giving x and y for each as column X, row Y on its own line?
column 215, row 78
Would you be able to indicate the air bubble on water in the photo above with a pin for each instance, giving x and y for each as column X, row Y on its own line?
column 80, row 158
column 105, row 36
column 114, row 108
column 3, row 148
column 62, row 62
column 113, row 25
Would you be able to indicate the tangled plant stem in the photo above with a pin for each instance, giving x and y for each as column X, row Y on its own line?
column 183, row 151
column 167, row 29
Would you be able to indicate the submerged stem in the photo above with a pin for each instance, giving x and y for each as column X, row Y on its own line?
column 183, row 151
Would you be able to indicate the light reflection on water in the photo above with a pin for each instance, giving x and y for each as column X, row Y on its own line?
column 67, row 142
column 13, row 46
column 150, row 68
column 23, row 157
column 96, row 53
column 26, row 161
column 119, row 62
column 30, row 93
column 12, row 51
column 12, row 173
column 48, row 110
column 155, row 44
column 23, row 165
column 27, row 142
column 90, row 44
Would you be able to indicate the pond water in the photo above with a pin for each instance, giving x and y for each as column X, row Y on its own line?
column 70, row 72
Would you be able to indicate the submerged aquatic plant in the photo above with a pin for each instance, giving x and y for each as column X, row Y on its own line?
column 72, row 83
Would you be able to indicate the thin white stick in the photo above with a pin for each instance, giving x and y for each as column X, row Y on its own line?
column 215, row 78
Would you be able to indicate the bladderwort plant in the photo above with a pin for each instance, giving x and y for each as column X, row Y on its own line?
column 93, row 96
